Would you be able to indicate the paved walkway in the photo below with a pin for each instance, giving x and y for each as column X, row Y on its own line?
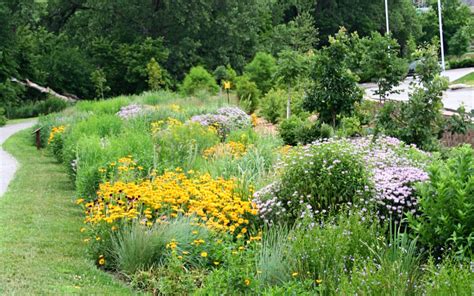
column 452, row 99
column 8, row 164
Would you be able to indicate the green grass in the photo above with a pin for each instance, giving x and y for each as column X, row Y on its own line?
column 41, row 248
column 21, row 120
column 468, row 79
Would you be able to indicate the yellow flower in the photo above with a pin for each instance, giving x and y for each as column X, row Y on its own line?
column 204, row 254
column 318, row 281
column 101, row 260
column 216, row 263
column 247, row 282
column 83, row 229
column 294, row 274
column 97, row 238
column 79, row 201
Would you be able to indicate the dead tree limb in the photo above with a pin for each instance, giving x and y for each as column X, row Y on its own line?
column 46, row 90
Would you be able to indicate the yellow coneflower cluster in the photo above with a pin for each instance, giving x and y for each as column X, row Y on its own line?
column 55, row 131
column 234, row 149
column 213, row 202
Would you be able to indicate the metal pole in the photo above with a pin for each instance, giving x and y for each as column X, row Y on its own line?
column 386, row 16
column 441, row 35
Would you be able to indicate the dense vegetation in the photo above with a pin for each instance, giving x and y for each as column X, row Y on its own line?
column 96, row 49
column 186, row 195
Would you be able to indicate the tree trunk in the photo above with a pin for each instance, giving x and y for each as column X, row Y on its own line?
column 288, row 103
column 46, row 90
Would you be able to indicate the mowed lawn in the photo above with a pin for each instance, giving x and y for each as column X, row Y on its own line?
column 467, row 79
column 41, row 249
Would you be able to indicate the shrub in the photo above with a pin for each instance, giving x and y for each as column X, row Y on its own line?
column 320, row 175
column 447, row 205
column 273, row 104
column 349, row 127
column 248, row 93
column 315, row 178
column 199, row 79
column 3, row 118
column 33, row 109
column 225, row 120
column 261, row 71
column 461, row 63
column 130, row 111
column 289, row 129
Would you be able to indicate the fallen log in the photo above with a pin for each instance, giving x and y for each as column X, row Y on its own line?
column 46, row 90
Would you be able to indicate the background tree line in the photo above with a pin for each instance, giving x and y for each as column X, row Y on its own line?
column 98, row 48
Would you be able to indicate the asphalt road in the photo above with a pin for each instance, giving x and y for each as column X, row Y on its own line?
column 8, row 164
column 452, row 99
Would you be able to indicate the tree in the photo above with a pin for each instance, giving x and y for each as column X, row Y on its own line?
column 155, row 75
column 261, row 71
column 456, row 17
column 100, row 83
column 385, row 65
column 299, row 34
column 199, row 79
column 335, row 89
column 291, row 66
column 419, row 121
column 247, row 92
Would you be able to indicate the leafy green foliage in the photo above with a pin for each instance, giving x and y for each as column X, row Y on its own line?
column 248, row 93
column 199, row 79
column 291, row 67
column 261, row 71
column 446, row 205
column 100, row 83
column 385, row 65
column 272, row 105
column 456, row 23
column 321, row 177
column 349, row 127
column 34, row 109
column 155, row 75
column 289, row 129
column 335, row 89
column 420, row 120
column 3, row 118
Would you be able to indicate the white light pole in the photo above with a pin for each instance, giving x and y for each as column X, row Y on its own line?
column 441, row 35
column 386, row 16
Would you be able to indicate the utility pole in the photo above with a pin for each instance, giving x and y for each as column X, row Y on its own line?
column 441, row 35
column 386, row 16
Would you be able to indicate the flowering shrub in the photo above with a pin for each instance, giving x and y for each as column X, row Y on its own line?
column 213, row 202
column 238, row 119
column 55, row 131
column 378, row 174
column 219, row 122
column 225, row 120
column 130, row 111
column 315, row 178
column 56, row 141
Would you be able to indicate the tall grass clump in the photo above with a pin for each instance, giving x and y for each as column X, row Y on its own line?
column 110, row 106
column 275, row 261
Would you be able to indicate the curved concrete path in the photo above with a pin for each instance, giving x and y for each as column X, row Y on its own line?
column 8, row 164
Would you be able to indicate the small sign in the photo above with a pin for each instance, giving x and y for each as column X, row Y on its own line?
column 226, row 85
